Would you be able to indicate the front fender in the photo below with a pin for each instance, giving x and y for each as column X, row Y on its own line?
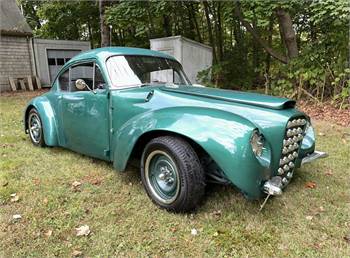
column 223, row 135
column 47, row 116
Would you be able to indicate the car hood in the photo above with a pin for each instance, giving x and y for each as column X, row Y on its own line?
column 254, row 99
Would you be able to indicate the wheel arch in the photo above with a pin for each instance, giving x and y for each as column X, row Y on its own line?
column 47, row 117
column 26, row 116
column 222, row 135
column 148, row 136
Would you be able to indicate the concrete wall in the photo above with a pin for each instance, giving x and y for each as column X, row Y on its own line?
column 41, row 47
column 15, row 59
column 193, row 55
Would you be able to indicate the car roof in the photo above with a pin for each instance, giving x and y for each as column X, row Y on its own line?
column 106, row 52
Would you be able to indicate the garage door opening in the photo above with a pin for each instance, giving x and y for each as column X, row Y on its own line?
column 57, row 58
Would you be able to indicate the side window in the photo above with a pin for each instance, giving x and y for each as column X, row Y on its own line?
column 177, row 78
column 63, row 81
column 99, row 81
column 84, row 72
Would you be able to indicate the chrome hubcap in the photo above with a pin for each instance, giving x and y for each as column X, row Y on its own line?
column 34, row 128
column 162, row 176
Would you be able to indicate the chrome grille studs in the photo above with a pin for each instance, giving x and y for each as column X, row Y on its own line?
column 296, row 122
column 291, row 144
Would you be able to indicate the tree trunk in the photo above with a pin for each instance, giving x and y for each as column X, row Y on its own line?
column 166, row 26
column 219, row 32
column 191, row 29
column 195, row 22
column 287, row 33
column 268, row 57
column 90, row 35
column 251, row 30
column 105, row 33
column 150, row 20
column 210, row 31
column 255, row 49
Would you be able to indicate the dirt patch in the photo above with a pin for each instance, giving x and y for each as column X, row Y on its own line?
column 327, row 112
column 22, row 93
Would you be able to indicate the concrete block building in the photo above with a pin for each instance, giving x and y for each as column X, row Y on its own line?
column 193, row 56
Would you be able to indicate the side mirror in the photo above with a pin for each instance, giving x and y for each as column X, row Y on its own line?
column 80, row 84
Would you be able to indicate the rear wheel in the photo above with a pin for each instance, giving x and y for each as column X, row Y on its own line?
column 172, row 174
column 35, row 128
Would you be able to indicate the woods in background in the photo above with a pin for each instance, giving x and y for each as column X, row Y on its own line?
column 290, row 48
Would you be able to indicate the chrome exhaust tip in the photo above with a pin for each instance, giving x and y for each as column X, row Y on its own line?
column 273, row 186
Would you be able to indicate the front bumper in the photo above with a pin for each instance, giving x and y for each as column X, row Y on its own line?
column 274, row 185
column 313, row 156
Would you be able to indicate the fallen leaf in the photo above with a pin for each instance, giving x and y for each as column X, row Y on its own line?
column 14, row 198
column 310, row 185
column 216, row 213
column 347, row 238
column 346, row 136
column 329, row 173
column 96, row 181
column 13, row 194
column 194, row 232
column 76, row 184
column 48, row 233
column 321, row 134
column 309, row 217
column 36, row 181
column 77, row 253
column 17, row 217
column 83, row 230
column 45, row 200
column 216, row 234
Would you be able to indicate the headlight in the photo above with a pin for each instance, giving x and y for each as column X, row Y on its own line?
column 308, row 128
column 309, row 137
column 257, row 142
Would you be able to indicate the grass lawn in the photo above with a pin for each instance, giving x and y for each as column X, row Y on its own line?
column 304, row 221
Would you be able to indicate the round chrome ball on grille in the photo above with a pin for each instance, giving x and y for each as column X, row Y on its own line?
column 285, row 168
column 280, row 171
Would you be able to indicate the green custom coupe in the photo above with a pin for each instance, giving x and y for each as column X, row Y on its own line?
column 119, row 104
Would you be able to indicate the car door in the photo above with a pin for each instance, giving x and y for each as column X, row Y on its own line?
column 84, row 111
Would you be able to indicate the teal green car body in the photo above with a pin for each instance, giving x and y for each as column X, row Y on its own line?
column 110, row 124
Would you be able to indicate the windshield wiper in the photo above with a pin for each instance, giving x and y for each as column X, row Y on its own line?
column 144, row 84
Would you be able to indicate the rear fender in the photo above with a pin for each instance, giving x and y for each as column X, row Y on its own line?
column 47, row 116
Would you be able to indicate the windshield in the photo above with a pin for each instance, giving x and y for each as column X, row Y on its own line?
column 128, row 71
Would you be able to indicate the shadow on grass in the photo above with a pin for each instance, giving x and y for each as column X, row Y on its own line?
column 223, row 198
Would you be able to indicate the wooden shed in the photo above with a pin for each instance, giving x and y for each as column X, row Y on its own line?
column 16, row 50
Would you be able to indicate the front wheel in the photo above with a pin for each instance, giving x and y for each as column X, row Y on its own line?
column 172, row 174
column 35, row 128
